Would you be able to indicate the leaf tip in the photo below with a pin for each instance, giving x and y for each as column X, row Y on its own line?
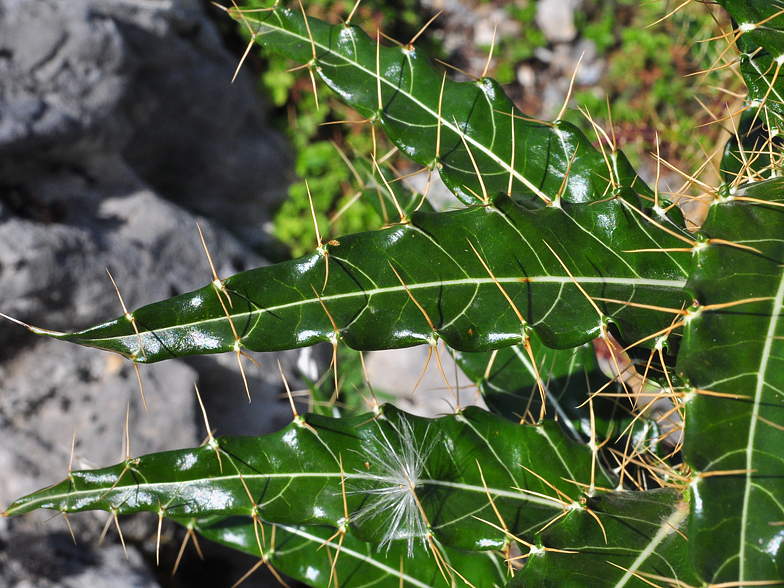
column 31, row 328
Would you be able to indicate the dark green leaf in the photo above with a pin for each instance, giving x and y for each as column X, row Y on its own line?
column 398, row 88
column 307, row 554
column 760, row 31
column 294, row 477
column 751, row 155
column 507, row 379
column 735, row 442
column 538, row 256
column 508, row 382
column 645, row 542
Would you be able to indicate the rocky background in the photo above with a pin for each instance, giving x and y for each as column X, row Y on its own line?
column 119, row 132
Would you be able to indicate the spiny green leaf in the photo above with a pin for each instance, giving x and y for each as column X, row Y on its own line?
column 294, row 477
column 760, row 40
column 645, row 542
column 578, row 222
column 399, row 88
column 735, row 442
column 749, row 158
column 507, row 379
column 546, row 259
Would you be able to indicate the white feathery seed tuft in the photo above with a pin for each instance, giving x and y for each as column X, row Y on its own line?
column 391, row 482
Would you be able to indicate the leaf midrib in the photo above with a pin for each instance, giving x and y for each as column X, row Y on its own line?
column 766, row 354
column 102, row 492
column 252, row 316
column 667, row 528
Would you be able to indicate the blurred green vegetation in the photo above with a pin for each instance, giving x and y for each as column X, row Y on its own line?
column 653, row 80
column 514, row 50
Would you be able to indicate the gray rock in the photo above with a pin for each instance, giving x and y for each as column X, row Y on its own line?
column 226, row 400
column 54, row 274
column 150, row 81
column 198, row 138
column 107, row 107
column 71, row 566
column 62, row 75
column 53, row 393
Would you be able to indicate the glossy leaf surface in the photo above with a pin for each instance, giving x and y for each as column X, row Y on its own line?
column 550, row 223
column 645, row 542
column 294, row 477
column 749, row 158
column 307, row 554
column 398, row 88
column 760, row 40
column 735, row 442
column 507, row 379
column 545, row 259
column 578, row 223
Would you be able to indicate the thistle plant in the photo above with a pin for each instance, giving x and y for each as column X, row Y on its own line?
column 573, row 477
